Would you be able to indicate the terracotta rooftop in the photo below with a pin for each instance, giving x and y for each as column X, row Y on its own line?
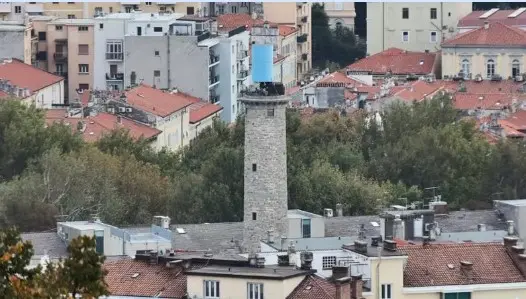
column 314, row 287
column 501, row 16
column 497, row 34
column 285, row 30
column 516, row 121
column 439, row 264
column 233, row 21
column 484, row 87
column 491, row 101
column 102, row 123
column 156, row 101
column 3, row 94
column 396, row 61
column 26, row 76
column 418, row 91
column 140, row 279
column 200, row 110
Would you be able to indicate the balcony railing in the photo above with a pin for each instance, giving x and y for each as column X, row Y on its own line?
column 115, row 76
column 214, row 98
column 114, row 56
column 302, row 38
column 242, row 75
column 60, row 56
column 214, row 59
column 214, row 79
column 242, row 54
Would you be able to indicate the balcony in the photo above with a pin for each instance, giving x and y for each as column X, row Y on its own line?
column 114, row 56
column 214, row 59
column 242, row 75
column 302, row 38
column 5, row 7
column 242, row 54
column 214, row 80
column 36, row 8
column 114, row 76
column 60, row 56
column 214, row 98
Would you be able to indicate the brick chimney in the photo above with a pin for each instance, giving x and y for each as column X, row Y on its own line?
column 510, row 241
column 356, row 286
column 339, row 272
column 516, row 253
column 343, row 288
column 466, row 267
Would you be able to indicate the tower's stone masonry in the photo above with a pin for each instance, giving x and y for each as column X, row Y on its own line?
column 265, row 199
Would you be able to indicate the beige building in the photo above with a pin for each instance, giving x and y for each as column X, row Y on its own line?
column 487, row 52
column 68, row 48
column 297, row 14
column 415, row 26
column 340, row 14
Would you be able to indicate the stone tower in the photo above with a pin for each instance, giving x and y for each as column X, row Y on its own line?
column 265, row 198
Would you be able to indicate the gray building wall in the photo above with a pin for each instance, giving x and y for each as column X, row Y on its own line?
column 12, row 44
column 317, row 228
column 265, row 171
column 514, row 210
column 141, row 59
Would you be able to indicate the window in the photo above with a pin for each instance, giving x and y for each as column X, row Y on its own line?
column 111, row 9
column 305, row 228
column 221, row 9
column 148, row 3
column 405, row 13
column 157, row 29
column 18, row 9
column 84, row 86
column 254, row 216
column 58, row 27
column 99, row 237
column 72, row 17
column 71, row 2
column 515, row 68
column 83, row 28
column 233, row 9
column 490, row 68
column 156, row 52
column 83, row 68
column 101, row 26
column 157, row 73
column 254, row 290
column 433, row 37
column 386, row 291
column 83, row 49
column 270, row 112
column 254, row 167
column 189, row 10
column 405, row 36
column 433, row 13
column 464, row 295
column 114, row 50
column 328, row 262
column 233, row 89
column 211, row 289
column 449, row 14
column 466, row 67
column 42, row 36
column 338, row 5
column 59, row 68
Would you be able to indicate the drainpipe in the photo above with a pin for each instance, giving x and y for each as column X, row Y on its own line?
column 383, row 26
column 378, row 284
column 168, row 60
column 442, row 21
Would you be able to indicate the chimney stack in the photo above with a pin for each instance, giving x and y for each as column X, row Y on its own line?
column 510, row 241
column 510, row 227
column 292, row 254
column 343, row 288
column 270, row 236
column 356, row 287
column 375, row 240
column 486, row 25
column 360, row 246
column 398, row 228
column 339, row 272
column 390, row 245
column 466, row 267
column 119, row 119
column 306, row 260
column 481, row 227
column 339, row 210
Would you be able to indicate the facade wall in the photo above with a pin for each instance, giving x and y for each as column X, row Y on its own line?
column 12, row 44
column 342, row 13
column 236, row 288
column 141, row 59
column 46, row 97
column 76, row 38
column 175, row 131
column 385, row 24
column 452, row 60
column 113, row 30
column 289, row 50
column 295, row 229
column 196, row 129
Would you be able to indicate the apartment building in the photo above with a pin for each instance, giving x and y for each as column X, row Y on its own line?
column 213, row 9
column 16, row 11
column 412, row 26
column 15, row 40
column 65, row 48
column 340, row 14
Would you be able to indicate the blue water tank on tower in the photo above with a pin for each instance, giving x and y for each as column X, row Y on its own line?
column 262, row 62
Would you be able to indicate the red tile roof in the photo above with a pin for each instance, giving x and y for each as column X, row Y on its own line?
column 156, row 101
column 484, row 87
column 313, row 287
column 439, row 264
column 396, row 61
column 26, row 76
column 474, row 20
column 3, row 94
column 285, row 30
column 418, row 91
column 491, row 101
column 497, row 34
column 102, row 123
column 200, row 110
column 516, row 121
column 150, row 280
column 233, row 21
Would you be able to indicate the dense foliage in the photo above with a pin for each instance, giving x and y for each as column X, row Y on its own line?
column 81, row 273
column 354, row 160
column 333, row 48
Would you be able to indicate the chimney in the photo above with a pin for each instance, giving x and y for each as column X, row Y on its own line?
column 119, row 119
column 292, row 254
column 360, row 246
column 375, row 241
column 339, row 210
column 283, row 260
column 306, row 260
column 486, row 25
column 339, row 272
column 398, row 228
column 343, row 288
column 510, row 241
column 390, row 245
column 356, row 287
column 432, row 231
column 510, row 227
column 466, row 268
column 481, row 227
column 260, row 261
column 153, row 257
column 270, row 236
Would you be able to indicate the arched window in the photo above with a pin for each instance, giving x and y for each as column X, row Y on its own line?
column 515, row 67
column 466, row 68
column 490, row 68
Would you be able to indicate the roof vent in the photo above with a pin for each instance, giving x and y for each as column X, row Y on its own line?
column 390, row 245
column 360, row 246
column 486, row 25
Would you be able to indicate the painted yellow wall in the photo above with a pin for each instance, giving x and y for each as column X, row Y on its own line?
column 236, row 288
column 179, row 122
column 63, row 9
column 195, row 129
column 27, row 45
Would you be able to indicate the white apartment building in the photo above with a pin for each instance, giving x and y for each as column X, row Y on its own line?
column 16, row 11
column 109, row 52
column 414, row 26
